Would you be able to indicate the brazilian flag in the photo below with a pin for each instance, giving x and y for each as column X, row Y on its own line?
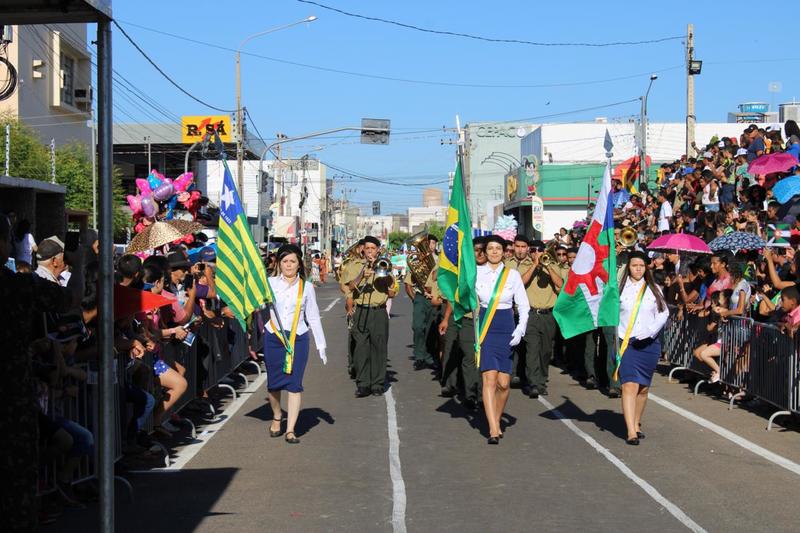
column 457, row 268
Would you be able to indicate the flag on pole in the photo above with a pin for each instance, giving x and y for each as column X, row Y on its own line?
column 241, row 277
column 457, row 268
column 590, row 297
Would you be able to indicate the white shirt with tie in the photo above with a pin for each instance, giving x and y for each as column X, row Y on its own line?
column 285, row 301
column 649, row 320
column 513, row 292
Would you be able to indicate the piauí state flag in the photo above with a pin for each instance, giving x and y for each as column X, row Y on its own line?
column 589, row 297
column 241, row 277
column 457, row 268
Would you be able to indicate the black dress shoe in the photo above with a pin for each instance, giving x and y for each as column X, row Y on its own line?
column 633, row 442
column 362, row 393
column 591, row 383
column 447, row 392
column 543, row 392
column 613, row 393
column 534, row 392
column 493, row 440
column 469, row 404
column 639, row 435
column 377, row 392
column 419, row 365
column 351, row 372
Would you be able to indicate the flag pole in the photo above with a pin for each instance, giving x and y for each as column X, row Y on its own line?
column 459, row 160
column 608, row 145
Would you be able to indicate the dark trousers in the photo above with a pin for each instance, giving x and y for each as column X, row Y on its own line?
column 539, row 348
column 581, row 351
column 420, row 325
column 459, row 353
column 609, row 336
column 371, row 335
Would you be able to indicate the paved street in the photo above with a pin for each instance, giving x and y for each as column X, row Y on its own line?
column 547, row 474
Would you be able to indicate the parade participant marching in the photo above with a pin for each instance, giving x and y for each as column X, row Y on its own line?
column 370, row 323
column 498, row 288
column 423, row 314
column 643, row 313
column 286, row 352
column 351, row 266
column 522, row 263
column 459, row 345
column 542, row 290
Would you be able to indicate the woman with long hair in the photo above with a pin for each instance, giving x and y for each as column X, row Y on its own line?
column 643, row 313
column 286, row 352
column 499, row 289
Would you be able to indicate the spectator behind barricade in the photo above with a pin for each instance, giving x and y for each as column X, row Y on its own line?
column 158, row 330
column 775, row 279
column 572, row 253
column 722, row 278
column 755, row 143
column 619, row 196
column 740, row 294
column 790, row 305
column 181, row 286
column 24, row 245
column 792, row 132
column 711, row 344
column 710, row 189
column 50, row 259
column 23, row 296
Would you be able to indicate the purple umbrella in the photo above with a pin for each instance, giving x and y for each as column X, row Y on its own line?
column 772, row 163
column 682, row 242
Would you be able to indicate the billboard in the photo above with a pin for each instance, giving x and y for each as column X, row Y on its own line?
column 195, row 126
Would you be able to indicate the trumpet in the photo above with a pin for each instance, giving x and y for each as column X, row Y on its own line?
column 549, row 256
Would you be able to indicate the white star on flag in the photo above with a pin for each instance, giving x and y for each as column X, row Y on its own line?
column 226, row 199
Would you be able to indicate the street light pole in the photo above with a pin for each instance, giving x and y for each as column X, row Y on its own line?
column 643, row 178
column 239, row 112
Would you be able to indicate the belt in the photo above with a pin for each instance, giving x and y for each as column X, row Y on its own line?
column 364, row 306
column 542, row 311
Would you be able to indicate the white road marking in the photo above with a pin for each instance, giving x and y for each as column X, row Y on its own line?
column 330, row 306
column 188, row 452
column 395, row 472
column 779, row 460
column 651, row 491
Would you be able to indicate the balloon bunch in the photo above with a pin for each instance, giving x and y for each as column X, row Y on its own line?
column 158, row 196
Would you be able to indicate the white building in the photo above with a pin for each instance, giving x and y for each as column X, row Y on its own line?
column 292, row 217
column 418, row 217
column 54, row 81
column 378, row 226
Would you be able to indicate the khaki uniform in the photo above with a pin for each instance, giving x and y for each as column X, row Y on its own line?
column 349, row 271
column 421, row 320
column 370, row 332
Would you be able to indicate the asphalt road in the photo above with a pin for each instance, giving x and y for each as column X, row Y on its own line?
column 564, row 468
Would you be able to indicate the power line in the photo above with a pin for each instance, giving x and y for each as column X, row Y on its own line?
column 379, row 180
column 408, row 80
column 489, row 39
column 594, row 108
column 166, row 76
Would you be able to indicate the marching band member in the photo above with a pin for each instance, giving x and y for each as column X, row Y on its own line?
column 643, row 313
column 286, row 352
column 498, row 289
column 423, row 315
column 352, row 266
column 370, row 324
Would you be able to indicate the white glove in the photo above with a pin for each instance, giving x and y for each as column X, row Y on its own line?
column 323, row 356
column 516, row 338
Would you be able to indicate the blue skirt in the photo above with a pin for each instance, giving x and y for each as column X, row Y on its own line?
column 496, row 352
column 274, row 357
column 639, row 361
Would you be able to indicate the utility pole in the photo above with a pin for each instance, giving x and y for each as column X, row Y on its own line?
column 94, row 173
column 691, row 119
column 8, row 149
column 52, row 160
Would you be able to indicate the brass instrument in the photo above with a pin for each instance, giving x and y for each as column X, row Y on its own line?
column 627, row 237
column 382, row 269
column 549, row 256
column 420, row 261
column 349, row 255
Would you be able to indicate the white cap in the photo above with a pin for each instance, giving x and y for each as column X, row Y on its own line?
column 708, row 155
column 721, row 144
column 741, row 151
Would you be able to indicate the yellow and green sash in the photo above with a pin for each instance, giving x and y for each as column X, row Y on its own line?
column 624, row 345
column 483, row 325
column 288, row 362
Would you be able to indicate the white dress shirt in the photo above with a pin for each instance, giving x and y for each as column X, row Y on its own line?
column 649, row 321
column 513, row 291
column 285, row 300
column 664, row 214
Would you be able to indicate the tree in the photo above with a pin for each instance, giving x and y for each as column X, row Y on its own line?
column 396, row 239
column 31, row 159
column 437, row 229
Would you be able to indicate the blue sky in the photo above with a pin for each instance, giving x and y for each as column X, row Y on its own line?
column 296, row 100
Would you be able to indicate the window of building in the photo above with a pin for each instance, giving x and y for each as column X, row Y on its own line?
column 68, row 73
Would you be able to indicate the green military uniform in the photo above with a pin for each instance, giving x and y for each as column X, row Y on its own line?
column 518, row 370
column 541, row 328
column 420, row 323
column 351, row 269
column 370, row 333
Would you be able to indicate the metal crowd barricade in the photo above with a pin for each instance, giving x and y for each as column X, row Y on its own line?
column 684, row 332
column 734, row 357
column 772, row 369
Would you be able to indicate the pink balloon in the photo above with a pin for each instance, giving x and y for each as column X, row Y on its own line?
column 183, row 182
column 144, row 187
column 135, row 203
column 164, row 191
column 149, row 206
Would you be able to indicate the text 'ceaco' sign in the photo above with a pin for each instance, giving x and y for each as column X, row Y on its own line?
column 195, row 127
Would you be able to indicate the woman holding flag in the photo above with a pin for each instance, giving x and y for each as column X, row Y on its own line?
column 498, row 289
column 642, row 314
column 286, row 352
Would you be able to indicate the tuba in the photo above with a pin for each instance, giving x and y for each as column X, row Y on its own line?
column 420, row 260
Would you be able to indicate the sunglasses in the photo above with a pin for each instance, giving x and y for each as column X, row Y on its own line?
column 537, row 249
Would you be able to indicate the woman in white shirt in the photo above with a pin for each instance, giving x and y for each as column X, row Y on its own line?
column 25, row 247
column 499, row 289
column 640, row 349
column 296, row 302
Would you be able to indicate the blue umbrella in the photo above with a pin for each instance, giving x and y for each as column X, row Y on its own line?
column 738, row 240
column 786, row 188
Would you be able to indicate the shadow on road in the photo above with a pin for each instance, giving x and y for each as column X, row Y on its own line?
column 604, row 419
column 306, row 420
column 475, row 418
